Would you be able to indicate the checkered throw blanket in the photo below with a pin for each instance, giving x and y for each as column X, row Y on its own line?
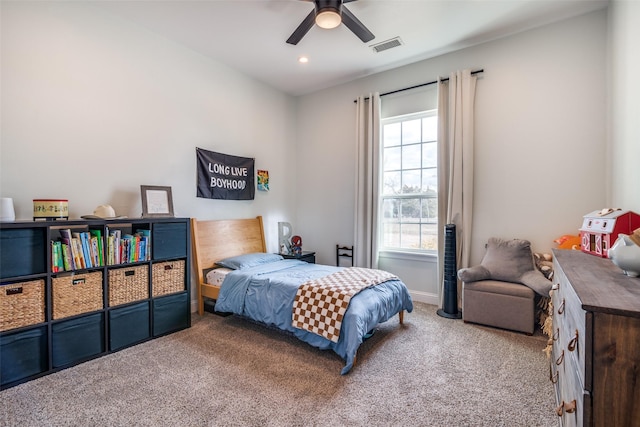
column 320, row 304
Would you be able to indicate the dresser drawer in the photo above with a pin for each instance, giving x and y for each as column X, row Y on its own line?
column 568, row 387
column 570, row 318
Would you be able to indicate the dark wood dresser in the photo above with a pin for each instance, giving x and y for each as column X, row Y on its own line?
column 595, row 362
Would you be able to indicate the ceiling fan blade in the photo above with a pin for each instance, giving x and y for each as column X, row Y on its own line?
column 302, row 29
column 356, row 26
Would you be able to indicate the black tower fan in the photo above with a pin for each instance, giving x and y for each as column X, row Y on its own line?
column 450, row 301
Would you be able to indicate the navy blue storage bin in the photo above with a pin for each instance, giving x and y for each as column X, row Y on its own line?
column 23, row 251
column 170, row 313
column 77, row 339
column 169, row 240
column 128, row 325
column 23, row 354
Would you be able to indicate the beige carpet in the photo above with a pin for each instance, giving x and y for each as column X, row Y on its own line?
column 431, row 371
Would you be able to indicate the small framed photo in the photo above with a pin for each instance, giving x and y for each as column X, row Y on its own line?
column 156, row 201
column 263, row 180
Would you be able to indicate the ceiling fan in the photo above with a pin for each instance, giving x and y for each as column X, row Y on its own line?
column 329, row 14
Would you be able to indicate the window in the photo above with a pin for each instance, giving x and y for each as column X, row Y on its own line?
column 409, row 194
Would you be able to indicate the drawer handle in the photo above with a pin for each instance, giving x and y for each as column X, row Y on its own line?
column 14, row 291
column 568, row 407
column 553, row 377
column 573, row 343
column 168, row 267
column 560, row 358
column 561, row 308
column 130, row 273
column 78, row 281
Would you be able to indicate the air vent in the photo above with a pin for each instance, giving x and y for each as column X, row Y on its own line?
column 387, row 44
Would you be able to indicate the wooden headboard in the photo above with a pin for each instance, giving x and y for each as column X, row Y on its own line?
column 214, row 240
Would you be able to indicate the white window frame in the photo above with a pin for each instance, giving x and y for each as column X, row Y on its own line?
column 404, row 251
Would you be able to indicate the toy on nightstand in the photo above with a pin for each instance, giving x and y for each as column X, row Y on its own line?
column 296, row 245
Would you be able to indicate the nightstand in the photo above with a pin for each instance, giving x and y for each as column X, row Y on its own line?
column 306, row 256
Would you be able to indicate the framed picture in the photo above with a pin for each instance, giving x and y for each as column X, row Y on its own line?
column 156, row 201
column 263, row 180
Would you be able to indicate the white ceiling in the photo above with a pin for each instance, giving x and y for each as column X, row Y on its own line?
column 250, row 35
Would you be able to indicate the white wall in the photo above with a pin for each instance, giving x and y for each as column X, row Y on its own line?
column 624, row 132
column 93, row 107
column 540, row 142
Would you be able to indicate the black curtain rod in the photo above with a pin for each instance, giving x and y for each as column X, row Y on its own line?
column 420, row 85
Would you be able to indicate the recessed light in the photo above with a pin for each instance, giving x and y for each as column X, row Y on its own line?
column 303, row 59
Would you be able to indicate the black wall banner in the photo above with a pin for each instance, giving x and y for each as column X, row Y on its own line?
column 221, row 176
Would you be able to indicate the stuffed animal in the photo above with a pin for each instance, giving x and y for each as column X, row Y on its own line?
column 544, row 263
column 568, row 241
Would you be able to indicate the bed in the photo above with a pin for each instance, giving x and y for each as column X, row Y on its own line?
column 266, row 288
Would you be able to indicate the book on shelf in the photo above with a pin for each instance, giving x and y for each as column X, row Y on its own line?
column 97, row 234
column 54, row 265
column 57, row 263
column 66, row 257
column 142, row 249
column 93, row 246
column 128, row 248
column 110, row 255
column 86, row 249
column 145, row 249
column 83, row 249
column 114, row 247
column 59, row 258
column 68, row 242
column 79, row 257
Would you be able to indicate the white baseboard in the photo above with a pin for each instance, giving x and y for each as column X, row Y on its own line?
column 425, row 297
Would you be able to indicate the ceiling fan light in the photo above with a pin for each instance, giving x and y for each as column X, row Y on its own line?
column 328, row 18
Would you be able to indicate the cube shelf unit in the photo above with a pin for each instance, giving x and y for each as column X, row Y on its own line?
column 53, row 320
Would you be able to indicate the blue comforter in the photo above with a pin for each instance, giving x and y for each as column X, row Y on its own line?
column 265, row 293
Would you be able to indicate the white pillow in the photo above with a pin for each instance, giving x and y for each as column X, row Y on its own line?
column 217, row 275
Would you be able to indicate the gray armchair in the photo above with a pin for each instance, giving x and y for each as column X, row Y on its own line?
column 500, row 292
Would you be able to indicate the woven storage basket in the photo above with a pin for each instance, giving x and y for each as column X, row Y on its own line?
column 76, row 294
column 168, row 277
column 21, row 304
column 128, row 284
